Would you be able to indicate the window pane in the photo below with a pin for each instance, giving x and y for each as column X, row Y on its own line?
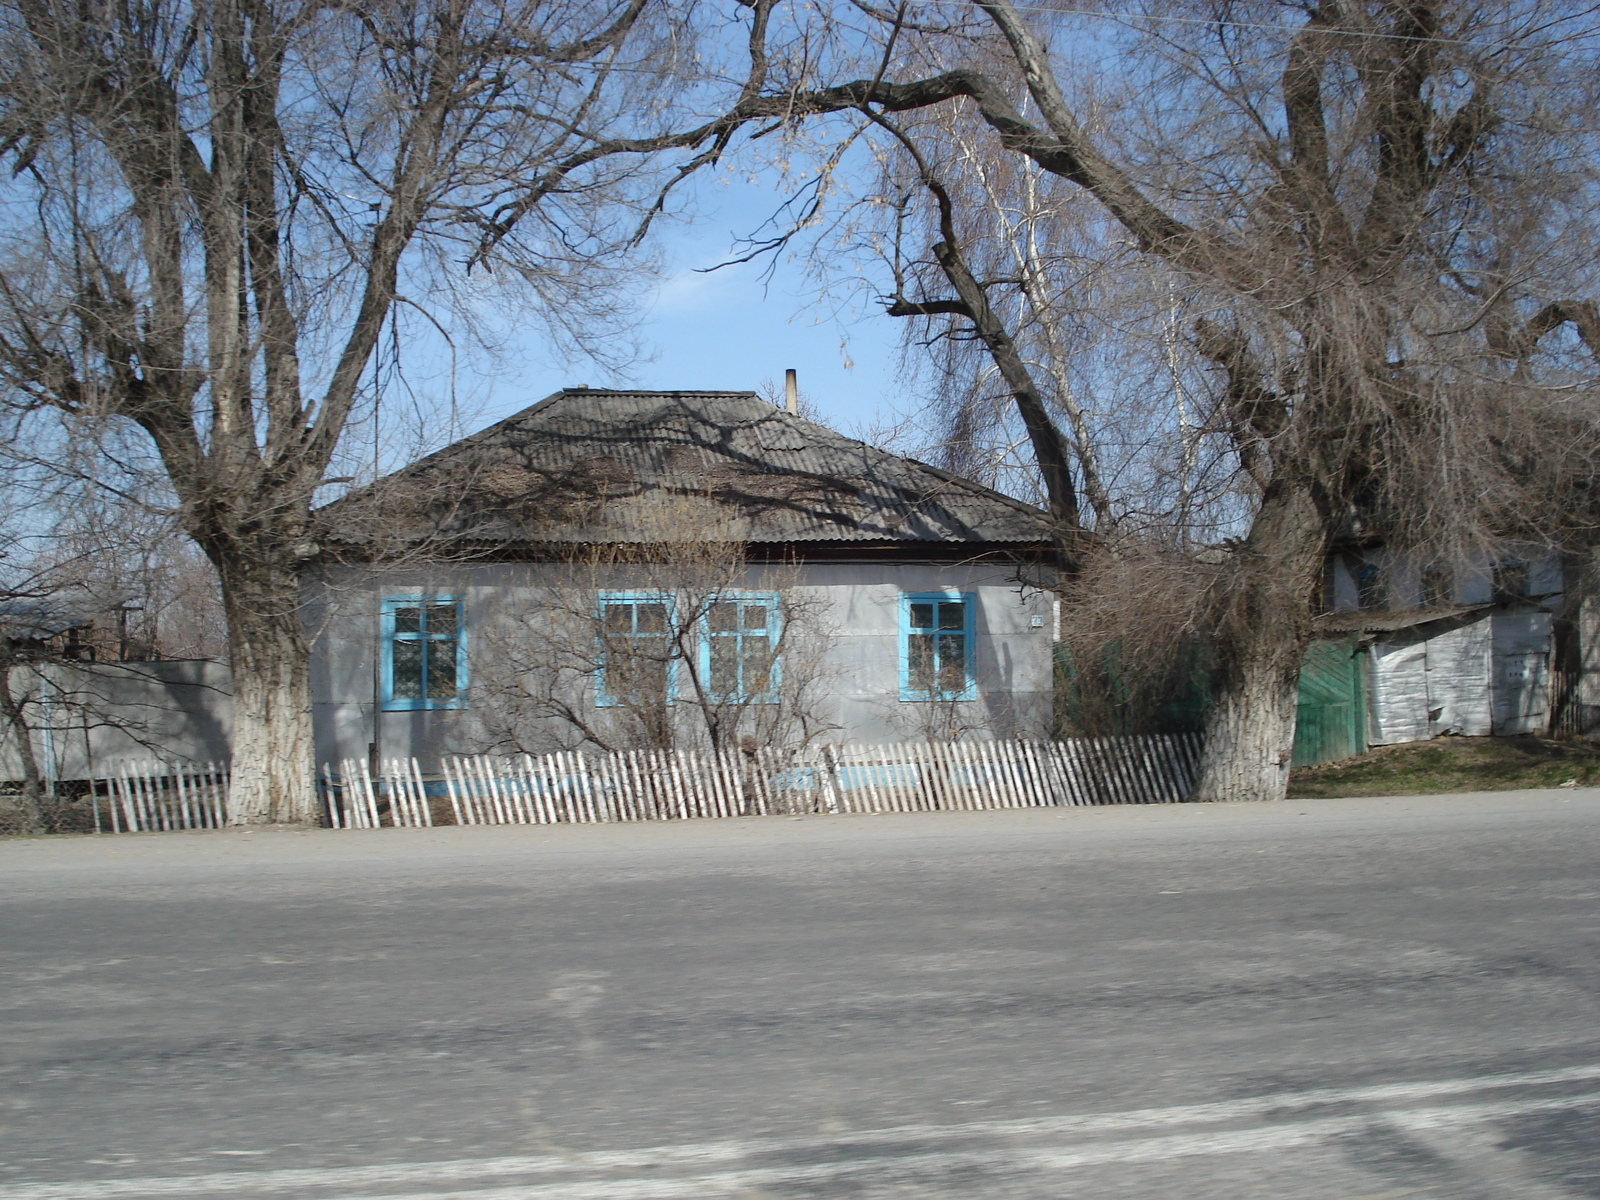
column 408, row 620
column 637, row 679
column 651, row 616
column 919, row 662
column 952, row 665
column 442, row 620
column 723, row 616
column 724, row 681
column 650, row 686
column 1370, row 591
column 407, row 669
column 757, row 667
column 952, row 615
column 922, row 616
column 617, row 619
column 442, row 669
column 1437, row 587
column 755, row 617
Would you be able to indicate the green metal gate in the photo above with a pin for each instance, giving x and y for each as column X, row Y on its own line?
column 1331, row 721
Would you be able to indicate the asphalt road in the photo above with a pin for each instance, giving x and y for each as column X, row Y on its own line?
column 1324, row 999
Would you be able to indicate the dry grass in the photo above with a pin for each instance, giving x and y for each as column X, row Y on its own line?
column 1453, row 764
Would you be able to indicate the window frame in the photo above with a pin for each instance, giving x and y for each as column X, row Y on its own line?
column 388, row 636
column 602, row 698
column 773, row 631
column 969, row 625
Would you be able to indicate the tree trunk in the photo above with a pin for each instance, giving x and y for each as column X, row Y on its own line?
column 32, row 780
column 1261, row 641
column 273, row 769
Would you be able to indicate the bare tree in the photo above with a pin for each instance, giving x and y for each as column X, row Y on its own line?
column 151, row 592
column 217, row 209
column 675, row 638
column 1372, row 221
column 90, row 592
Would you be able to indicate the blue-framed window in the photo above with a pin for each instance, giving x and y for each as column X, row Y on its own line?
column 739, row 648
column 637, row 649
column 423, row 652
column 937, row 646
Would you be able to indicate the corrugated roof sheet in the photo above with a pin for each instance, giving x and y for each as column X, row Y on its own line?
column 587, row 465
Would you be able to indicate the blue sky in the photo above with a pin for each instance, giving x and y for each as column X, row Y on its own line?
column 729, row 329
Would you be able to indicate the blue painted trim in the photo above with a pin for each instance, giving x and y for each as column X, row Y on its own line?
column 601, row 699
column 770, row 599
column 387, row 638
column 969, row 627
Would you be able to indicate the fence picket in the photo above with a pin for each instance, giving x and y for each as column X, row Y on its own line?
column 424, row 812
column 330, row 805
column 1028, row 785
column 184, row 804
column 869, row 777
column 936, row 777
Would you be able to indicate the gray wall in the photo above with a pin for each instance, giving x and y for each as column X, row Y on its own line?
column 89, row 719
column 853, row 631
column 1474, row 585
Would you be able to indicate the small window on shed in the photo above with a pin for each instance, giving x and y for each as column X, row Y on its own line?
column 1510, row 582
column 1371, row 589
column 1438, row 587
column 1328, row 587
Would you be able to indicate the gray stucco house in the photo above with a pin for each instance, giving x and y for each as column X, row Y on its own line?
column 625, row 569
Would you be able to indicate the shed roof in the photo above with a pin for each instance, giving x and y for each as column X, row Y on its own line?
column 593, row 466
column 36, row 618
column 1391, row 620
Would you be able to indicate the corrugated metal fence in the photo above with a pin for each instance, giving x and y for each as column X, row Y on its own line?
column 573, row 787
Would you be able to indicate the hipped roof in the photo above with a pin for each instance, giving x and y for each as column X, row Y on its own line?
column 593, row 466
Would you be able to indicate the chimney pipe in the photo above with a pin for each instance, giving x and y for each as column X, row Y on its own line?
column 791, row 392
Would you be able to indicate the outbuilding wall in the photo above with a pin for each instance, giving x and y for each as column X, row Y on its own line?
column 90, row 719
column 1480, row 663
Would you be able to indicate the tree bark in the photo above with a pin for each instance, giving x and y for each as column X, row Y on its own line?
column 1261, row 640
column 272, row 780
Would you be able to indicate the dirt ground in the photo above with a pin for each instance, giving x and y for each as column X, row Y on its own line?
column 1453, row 764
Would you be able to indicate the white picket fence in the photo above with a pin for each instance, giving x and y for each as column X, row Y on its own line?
column 148, row 796
column 644, row 785
column 640, row 785
column 353, row 799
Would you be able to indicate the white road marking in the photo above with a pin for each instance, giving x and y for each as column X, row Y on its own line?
column 707, row 1160
column 1008, row 1160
